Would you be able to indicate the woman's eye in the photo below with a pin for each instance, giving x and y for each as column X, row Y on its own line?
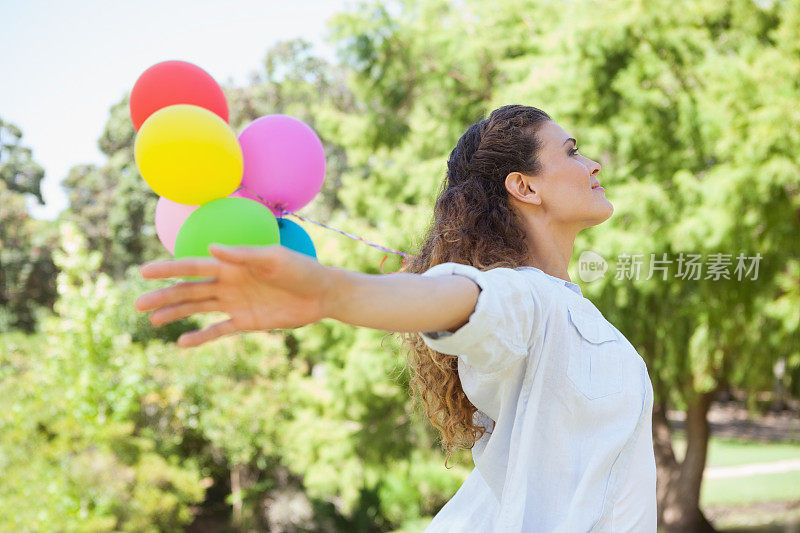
column 573, row 151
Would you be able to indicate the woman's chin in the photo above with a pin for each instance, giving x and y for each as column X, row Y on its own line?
column 610, row 210
column 602, row 214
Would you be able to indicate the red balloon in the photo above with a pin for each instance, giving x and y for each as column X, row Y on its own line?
column 175, row 82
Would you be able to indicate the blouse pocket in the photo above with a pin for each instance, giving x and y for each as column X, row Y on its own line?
column 595, row 360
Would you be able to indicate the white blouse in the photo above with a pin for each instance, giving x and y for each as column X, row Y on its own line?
column 568, row 401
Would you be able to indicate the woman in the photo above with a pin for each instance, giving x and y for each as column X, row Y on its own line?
column 509, row 357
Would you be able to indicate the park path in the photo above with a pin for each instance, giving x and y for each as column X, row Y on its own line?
column 772, row 467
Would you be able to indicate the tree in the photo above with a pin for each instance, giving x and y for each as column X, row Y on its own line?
column 74, row 456
column 27, row 270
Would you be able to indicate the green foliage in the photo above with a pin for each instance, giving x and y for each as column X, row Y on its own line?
column 71, row 452
column 18, row 171
column 27, row 271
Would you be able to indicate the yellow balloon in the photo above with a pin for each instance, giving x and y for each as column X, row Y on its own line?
column 188, row 154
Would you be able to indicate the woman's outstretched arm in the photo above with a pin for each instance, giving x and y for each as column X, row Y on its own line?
column 401, row 301
column 265, row 288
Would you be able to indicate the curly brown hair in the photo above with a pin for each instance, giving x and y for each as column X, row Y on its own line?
column 474, row 224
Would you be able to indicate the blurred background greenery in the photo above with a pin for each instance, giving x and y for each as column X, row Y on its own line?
column 692, row 108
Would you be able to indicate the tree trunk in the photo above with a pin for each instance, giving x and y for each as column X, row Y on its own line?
column 678, row 487
column 242, row 478
column 779, row 402
column 236, row 492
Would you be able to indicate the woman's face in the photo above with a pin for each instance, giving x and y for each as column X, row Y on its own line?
column 567, row 188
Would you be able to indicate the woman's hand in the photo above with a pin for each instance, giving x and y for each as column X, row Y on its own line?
column 260, row 287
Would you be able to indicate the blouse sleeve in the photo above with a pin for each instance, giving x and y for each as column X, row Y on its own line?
column 499, row 330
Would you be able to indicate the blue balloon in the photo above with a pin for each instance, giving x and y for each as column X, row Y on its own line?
column 294, row 237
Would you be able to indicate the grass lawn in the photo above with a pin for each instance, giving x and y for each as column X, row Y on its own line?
column 758, row 488
column 731, row 452
column 749, row 489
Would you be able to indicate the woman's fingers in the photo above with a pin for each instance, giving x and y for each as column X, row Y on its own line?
column 180, row 292
column 226, row 253
column 171, row 313
column 196, row 338
column 190, row 266
column 247, row 255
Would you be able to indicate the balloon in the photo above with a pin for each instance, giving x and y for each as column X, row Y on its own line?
column 295, row 237
column 175, row 82
column 169, row 218
column 188, row 154
column 284, row 161
column 228, row 221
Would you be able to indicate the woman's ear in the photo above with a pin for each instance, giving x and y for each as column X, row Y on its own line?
column 521, row 189
column 516, row 185
column 534, row 196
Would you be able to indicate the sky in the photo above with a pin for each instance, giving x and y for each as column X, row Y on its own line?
column 65, row 63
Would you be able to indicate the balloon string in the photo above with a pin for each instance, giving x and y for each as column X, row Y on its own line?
column 346, row 234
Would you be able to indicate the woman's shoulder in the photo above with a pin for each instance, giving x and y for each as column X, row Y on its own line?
column 553, row 291
column 548, row 291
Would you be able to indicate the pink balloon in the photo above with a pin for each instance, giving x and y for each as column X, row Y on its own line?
column 169, row 219
column 284, row 161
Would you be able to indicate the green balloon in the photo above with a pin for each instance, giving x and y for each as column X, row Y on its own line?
column 228, row 221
